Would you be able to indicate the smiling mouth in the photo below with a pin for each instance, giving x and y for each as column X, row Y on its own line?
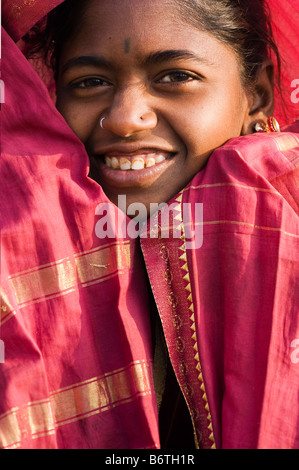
column 131, row 168
column 134, row 162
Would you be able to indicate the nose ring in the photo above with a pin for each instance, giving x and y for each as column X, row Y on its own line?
column 101, row 122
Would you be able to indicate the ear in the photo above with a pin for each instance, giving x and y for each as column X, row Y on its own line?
column 260, row 99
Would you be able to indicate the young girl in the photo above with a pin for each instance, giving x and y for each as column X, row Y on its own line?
column 158, row 105
column 173, row 101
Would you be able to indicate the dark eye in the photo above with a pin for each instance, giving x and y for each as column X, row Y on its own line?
column 91, row 82
column 174, row 77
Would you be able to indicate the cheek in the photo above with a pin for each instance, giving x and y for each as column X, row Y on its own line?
column 78, row 117
column 213, row 121
column 224, row 114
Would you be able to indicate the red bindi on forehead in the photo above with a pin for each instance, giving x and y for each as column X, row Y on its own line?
column 127, row 45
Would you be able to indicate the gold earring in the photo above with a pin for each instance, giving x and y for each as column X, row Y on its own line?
column 270, row 126
column 273, row 124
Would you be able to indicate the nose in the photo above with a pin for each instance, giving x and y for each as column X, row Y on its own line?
column 129, row 113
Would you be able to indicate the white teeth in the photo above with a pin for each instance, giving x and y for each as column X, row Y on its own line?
column 150, row 162
column 160, row 158
column 138, row 164
column 115, row 163
column 108, row 161
column 125, row 164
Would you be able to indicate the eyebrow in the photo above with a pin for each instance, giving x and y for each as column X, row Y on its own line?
column 168, row 55
column 87, row 60
column 151, row 59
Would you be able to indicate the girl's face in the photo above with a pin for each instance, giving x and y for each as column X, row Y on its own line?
column 170, row 95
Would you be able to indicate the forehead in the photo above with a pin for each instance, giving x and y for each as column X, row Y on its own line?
column 119, row 18
column 128, row 12
column 141, row 27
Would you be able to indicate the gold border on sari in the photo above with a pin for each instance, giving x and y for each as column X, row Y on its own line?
column 64, row 276
column 73, row 403
column 192, row 331
column 170, row 281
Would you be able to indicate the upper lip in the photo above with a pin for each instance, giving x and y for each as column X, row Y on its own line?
column 132, row 149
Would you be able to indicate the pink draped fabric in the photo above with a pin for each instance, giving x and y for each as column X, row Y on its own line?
column 19, row 16
column 230, row 306
column 74, row 312
column 74, row 309
column 285, row 23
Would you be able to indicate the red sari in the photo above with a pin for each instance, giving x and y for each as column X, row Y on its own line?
column 75, row 309
column 229, row 308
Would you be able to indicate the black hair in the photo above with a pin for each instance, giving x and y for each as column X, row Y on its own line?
column 244, row 25
column 47, row 38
